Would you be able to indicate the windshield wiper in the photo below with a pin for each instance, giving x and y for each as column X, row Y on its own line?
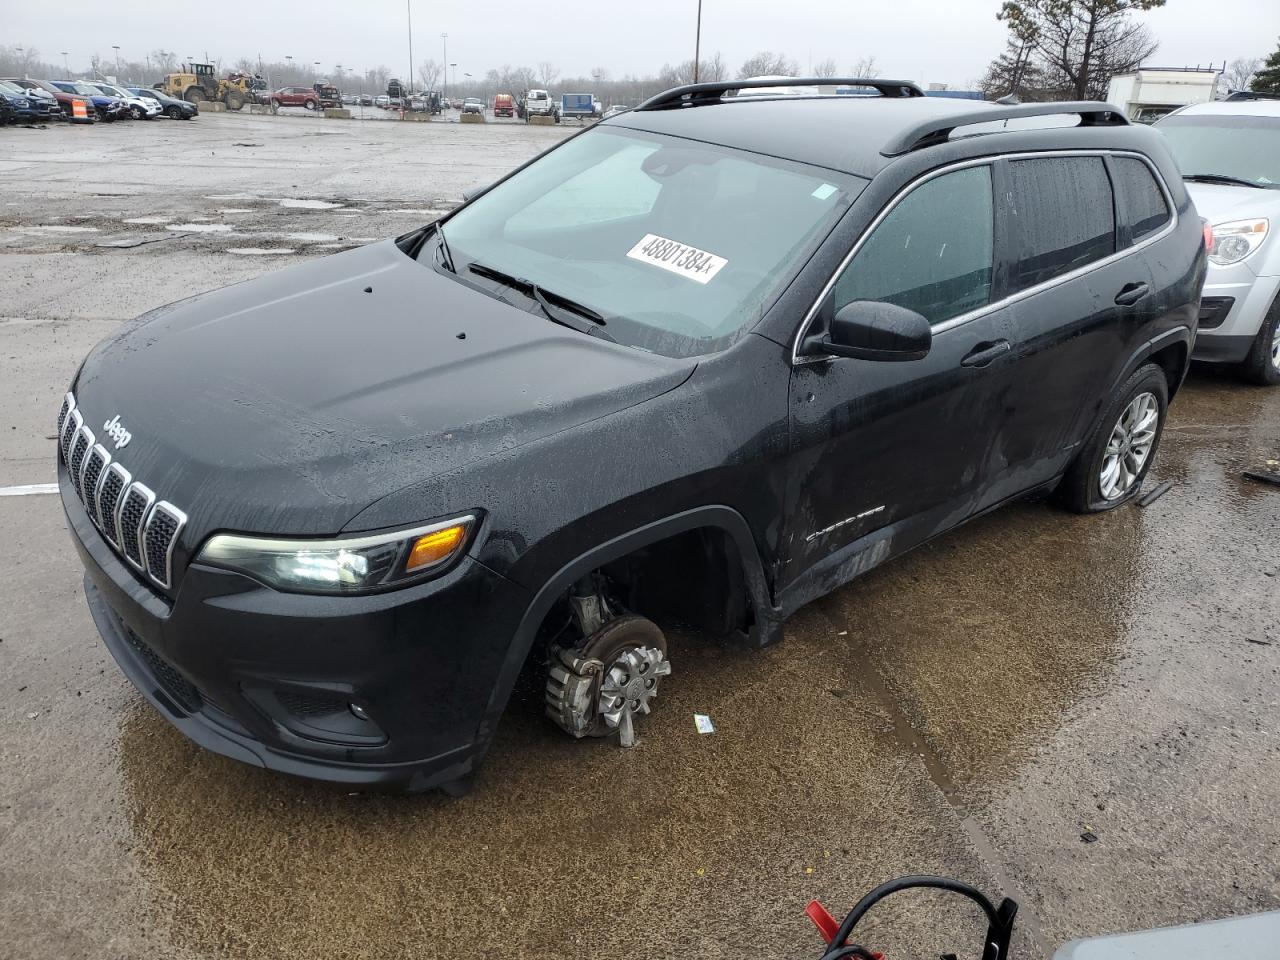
column 1221, row 178
column 551, row 303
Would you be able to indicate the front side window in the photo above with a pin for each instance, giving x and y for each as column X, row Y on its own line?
column 1060, row 214
column 680, row 245
column 932, row 253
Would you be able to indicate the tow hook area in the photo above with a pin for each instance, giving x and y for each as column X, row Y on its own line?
column 599, row 686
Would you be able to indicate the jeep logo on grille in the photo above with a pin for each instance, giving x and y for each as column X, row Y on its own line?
column 116, row 431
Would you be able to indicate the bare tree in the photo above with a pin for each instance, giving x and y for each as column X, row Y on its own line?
column 163, row 60
column 429, row 72
column 864, row 68
column 547, row 73
column 1081, row 43
column 766, row 63
column 825, row 68
column 1240, row 71
column 523, row 78
column 709, row 71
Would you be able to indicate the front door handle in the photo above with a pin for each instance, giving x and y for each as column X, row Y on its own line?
column 1131, row 293
column 985, row 353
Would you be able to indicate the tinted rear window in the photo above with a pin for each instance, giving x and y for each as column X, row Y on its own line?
column 1061, row 217
column 1142, row 200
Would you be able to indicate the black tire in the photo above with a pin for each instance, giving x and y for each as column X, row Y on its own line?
column 234, row 101
column 1081, row 487
column 309, row 104
column 174, row 112
column 1261, row 366
column 193, row 95
column 137, row 113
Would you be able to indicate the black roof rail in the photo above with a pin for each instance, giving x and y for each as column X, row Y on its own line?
column 938, row 130
column 705, row 94
column 1241, row 95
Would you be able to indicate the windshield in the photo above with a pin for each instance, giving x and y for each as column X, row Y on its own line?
column 86, row 90
column 680, row 246
column 1244, row 148
column 8, row 87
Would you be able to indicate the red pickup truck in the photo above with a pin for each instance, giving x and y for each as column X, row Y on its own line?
column 504, row 105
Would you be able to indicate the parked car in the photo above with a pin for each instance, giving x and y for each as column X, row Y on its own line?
column 538, row 103
column 395, row 103
column 382, row 101
column 366, row 100
column 107, row 107
column 473, row 105
column 140, row 108
column 504, row 105
column 171, row 107
column 1229, row 154
column 25, row 107
column 8, row 111
column 417, row 104
column 616, row 109
column 327, row 95
column 732, row 356
column 295, row 97
column 66, row 101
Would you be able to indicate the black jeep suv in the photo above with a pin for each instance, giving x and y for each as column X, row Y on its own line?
column 705, row 361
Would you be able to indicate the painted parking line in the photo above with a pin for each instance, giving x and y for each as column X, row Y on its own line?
column 28, row 490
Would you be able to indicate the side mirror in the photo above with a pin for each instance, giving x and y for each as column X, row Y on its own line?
column 871, row 330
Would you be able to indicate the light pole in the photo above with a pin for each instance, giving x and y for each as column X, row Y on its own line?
column 444, row 37
column 455, row 73
column 315, row 75
column 697, row 43
column 408, row 10
column 66, row 64
column 116, row 48
column 289, row 62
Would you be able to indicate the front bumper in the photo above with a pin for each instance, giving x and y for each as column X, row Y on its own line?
column 1231, row 339
column 268, row 678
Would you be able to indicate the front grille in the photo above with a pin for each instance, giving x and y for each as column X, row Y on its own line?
column 138, row 527
column 178, row 687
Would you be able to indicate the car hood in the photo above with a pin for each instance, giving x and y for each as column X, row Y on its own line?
column 289, row 403
column 1222, row 203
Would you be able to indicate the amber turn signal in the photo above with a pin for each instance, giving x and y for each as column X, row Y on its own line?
column 433, row 547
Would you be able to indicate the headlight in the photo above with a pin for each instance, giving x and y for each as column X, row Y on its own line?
column 344, row 564
column 1234, row 241
column 22, row 104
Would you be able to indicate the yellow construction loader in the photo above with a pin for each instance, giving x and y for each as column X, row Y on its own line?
column 196, row 82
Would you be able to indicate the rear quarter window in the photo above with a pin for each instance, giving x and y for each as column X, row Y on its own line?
column 1144, row 210
column 1060, row 215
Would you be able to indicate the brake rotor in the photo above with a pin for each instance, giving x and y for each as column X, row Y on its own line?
column 602, row 685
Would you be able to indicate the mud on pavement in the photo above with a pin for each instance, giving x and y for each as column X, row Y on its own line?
column 971, row 709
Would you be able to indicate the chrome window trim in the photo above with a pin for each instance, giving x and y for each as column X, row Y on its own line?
column 87, row 495
column 150, row 496
column 181, row 519
column 77, row 478
column 953, row 322
column 126, row 480
column 74, row 422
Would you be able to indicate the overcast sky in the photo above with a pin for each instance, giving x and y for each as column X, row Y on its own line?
column 949, row 41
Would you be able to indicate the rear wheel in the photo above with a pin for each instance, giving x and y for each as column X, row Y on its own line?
column 193, row 95
column 174, row 113
column 310, row 104
column 234, row 101
column 1116, row 458
column 1262, row 366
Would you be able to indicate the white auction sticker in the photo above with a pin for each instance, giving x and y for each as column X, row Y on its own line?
column 689, row 262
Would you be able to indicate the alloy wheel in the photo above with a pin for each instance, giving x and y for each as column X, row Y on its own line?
column 1275, row 348
column 1130, row 445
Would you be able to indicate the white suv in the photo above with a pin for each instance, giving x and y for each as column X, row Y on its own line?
column 140, row 108
column 1229, row 155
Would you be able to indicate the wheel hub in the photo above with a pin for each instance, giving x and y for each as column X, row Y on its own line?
column 630, row 683
column 1129, row 447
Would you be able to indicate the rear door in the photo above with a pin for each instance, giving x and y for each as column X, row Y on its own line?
column 876, row 443
column 1078, row 304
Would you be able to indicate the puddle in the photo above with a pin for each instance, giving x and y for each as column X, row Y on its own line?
column 149, row 220
column 312, row 237
column 200, row 227
column 310, row 204
column 235, row 210
column 423, row 212
column 260, row 251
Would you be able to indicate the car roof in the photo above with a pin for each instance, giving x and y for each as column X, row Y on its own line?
column 1232, row 108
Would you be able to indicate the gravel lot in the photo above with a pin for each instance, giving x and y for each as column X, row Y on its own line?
column 971, row 709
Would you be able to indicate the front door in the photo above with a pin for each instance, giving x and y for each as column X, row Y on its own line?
column 902, row 447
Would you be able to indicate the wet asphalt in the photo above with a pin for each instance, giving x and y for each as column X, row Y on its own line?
column 970, row 709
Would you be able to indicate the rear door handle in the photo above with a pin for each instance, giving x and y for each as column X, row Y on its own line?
column 985, row 353
column 1131, row 293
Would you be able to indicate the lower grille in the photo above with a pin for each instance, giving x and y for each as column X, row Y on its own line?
column 1214, row 310
column 304, row 705
column 179, row 688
